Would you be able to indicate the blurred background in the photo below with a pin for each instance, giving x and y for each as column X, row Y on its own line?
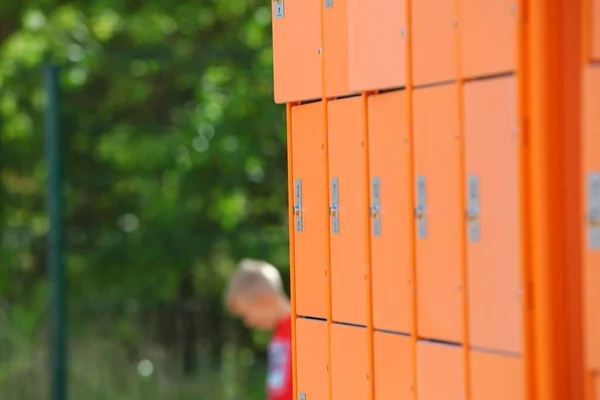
column 174, row 164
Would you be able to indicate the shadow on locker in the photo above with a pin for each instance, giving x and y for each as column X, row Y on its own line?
column 391, row 213
column 311, row 358
column 435, row 37
column 393, row 366
column 348, row 211
column 488, row 36
column 496, row 377
column 591, row 193
column 310, row 202
column 349, row 363
column 377, row 44
column 440, row 371
column 438, row 213
column 492, row 144
column 296, row 50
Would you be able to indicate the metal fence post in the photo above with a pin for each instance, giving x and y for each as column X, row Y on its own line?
column 55, row 251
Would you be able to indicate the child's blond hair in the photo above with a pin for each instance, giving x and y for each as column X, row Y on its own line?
column 252, row 279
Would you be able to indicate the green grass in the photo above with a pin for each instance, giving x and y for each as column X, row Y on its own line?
column 99, row 369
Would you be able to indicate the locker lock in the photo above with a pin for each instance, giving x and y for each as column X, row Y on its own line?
column 375, row 212
column 420, row 212
column 297, row 210
column 472, row 213
column 302, row 396
column 333, row 210
column 594, row 217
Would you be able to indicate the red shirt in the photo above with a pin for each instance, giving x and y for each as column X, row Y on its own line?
column 279, row 373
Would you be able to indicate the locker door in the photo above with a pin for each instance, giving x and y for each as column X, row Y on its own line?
column 595, row 29
column 337, row 80
column 496, row 377
column 488, row 30
column 438, row 225
column 393, row 366
column 377, row 44
column 311, row 358
column 349, row 363
column 435, row 39
column 591, row 193
column 389, row 166
column 439, row 371
column 311, row 200
column 349, row 211
column 493, row 233
column 296, row 56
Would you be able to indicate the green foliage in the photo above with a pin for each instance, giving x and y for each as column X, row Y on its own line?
column 174, row 159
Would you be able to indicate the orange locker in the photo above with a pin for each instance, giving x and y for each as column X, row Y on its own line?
column 310, row 205
column 595, row 29
column 393, row 366
column 391, row 211
column 440, row 371
column 597, row 388
column 335, row 37
column 349, row 363
column 591, row 194
column 493, row 215
column 311, row 359
column 348, row 211
column 496, row 377
column 488, row 36
column 438, row 213
column 296, row 50
column 377, row 44
column 434, row 41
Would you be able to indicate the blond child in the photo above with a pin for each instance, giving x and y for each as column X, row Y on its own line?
column 255, row 294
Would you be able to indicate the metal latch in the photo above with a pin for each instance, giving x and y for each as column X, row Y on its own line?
column 376, row 206
column 298, row 205
column 302, row 396
column 328, row 4
column 334, row 210
column 279, row 12
column 421, row 207
column 473, row 209
column 593, row 211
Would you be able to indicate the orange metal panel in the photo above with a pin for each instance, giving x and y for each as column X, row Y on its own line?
column 438, row 232
column 496, row 377
column 377, row 44
column 488, row 30
column 393, row 367
column 389, row 167
column 349, row 363
column 296, row 56
column 591, row 258
column 597, row 388
column 440, row 371
column 434, row 41
column 494, row 258
column 335, row 36
column 310, row 239
column 596, row 29
column 311, row 358
column 348, row 246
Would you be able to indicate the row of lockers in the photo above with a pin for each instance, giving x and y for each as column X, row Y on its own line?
column 364, row 44
column 430, row 199
column 440, row 367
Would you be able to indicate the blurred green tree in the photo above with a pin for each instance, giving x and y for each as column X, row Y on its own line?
column 175, row 163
